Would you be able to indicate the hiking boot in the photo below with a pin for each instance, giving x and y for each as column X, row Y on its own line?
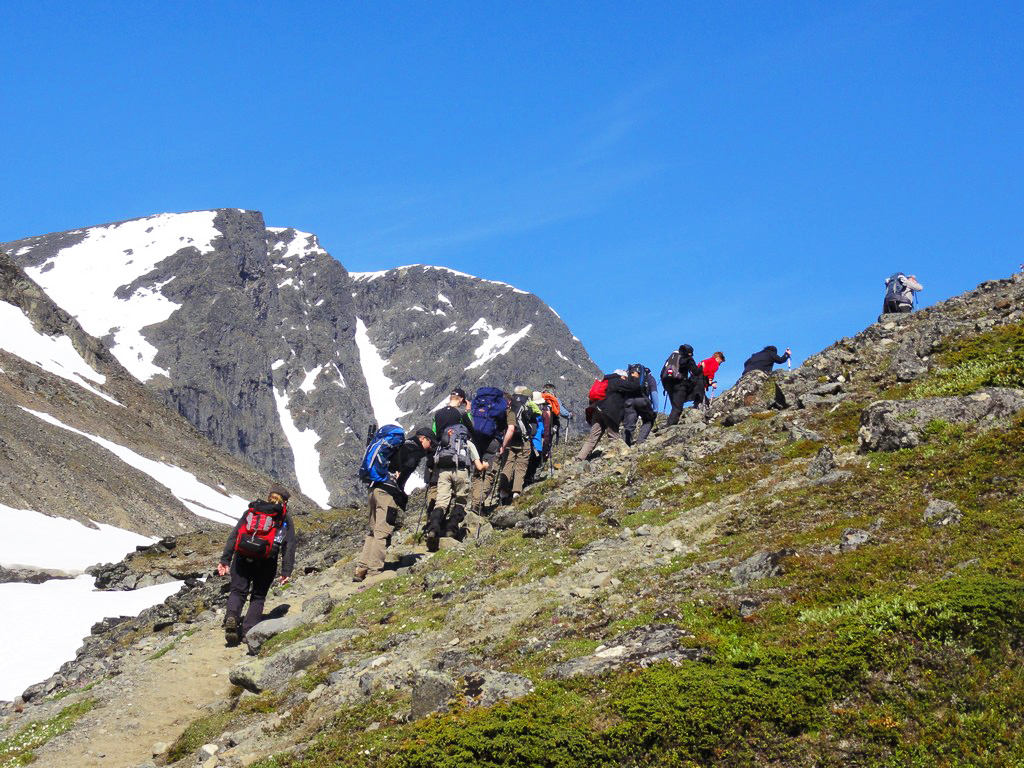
column 231, row 631
column 431, row 539
column 360, row 574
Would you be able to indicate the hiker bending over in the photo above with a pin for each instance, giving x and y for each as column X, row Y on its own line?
column 488, row 411
column 764, row 360
column 606, row 409
column 517, row 444
column 899, row 293
column 678, row 377
column 250, row 556
column 455, row 453
column 706, row 380
column 640, row 406
column 387, row 475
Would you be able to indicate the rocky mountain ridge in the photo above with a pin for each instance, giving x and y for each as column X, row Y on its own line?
column 269, row 348
column 833, row 582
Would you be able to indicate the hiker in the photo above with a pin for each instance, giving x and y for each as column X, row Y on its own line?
column 389, row 461
column 764, row 360
column 900, row 293
column 706, row 379
column 455, row 453
column 517, row 444
column 678, row 377
column 250, row 555
column 555, row 409
column 640, row 406
column 455, row 412
column 607, row 406
column 488, row 415
column 541, row 438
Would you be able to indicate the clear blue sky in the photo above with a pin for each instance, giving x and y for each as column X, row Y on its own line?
column 724, row 174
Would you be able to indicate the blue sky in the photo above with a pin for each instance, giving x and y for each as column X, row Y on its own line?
column 727, row 175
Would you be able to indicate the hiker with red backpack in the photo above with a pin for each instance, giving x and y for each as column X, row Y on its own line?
column 250, row 556
column 607, row 406
column 706, row 380
column 678, row 377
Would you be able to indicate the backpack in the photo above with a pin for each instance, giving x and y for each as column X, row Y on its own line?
column 260, row 536
column 453, row 447
column 526, row 420
column 374, row 466
column 894, row 285
column 598, row 390
column 672, row 370
column 552, row 402
column 488, row 409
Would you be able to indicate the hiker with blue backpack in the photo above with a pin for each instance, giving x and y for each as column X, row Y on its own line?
column 389, row 461
column 900, row 293
column 488, row 415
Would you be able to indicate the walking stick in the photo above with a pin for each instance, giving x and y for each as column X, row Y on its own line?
column 423, row 510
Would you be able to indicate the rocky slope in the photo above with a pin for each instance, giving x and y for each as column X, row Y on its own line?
column 835, row 582
column 264, row 342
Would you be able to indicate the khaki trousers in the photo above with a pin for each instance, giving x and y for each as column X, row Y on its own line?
column 383, row 515
column 514, row 472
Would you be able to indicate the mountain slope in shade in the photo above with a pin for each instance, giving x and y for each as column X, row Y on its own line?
column 265, row 343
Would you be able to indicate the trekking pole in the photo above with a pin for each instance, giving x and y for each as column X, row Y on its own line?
column 423, row 510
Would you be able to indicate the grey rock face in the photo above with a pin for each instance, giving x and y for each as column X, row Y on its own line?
column 643, row 646
column 431, row 692
column 940, row 513
column 891, row 425
column 762, row 565
column 822, row 464
column 254, row 340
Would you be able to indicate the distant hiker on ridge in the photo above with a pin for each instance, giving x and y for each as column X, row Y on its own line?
column 678, row 377
column 765, row 359
column 250, row 556
column 389, row 461
column 900, row 293
column 607, row 406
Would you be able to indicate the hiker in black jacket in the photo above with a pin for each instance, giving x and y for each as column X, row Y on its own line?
column 388, row 499
column 764, row 360
column 639, row 407
column 679, row 377
column 606, row 415
column 256, row 574
column 455, row 412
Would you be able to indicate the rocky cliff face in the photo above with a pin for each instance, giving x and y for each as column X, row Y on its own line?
column 265, row 343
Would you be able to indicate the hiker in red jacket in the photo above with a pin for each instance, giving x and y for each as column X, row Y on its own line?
column 708, row 368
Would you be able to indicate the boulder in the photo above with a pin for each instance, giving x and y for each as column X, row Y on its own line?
column 822, row 464
column 853, row 538
column 275, row 672
column 487, row 688
column 939, row 513
column 643, row 646
column 762, row 565
column 890, row 425
column 266, row 629
column 431, row 692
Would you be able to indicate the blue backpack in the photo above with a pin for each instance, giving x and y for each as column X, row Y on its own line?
column 374, row 466
column 489, row 408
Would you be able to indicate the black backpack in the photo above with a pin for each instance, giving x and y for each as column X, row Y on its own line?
column 526, row 424
column 453, row 447
column 672, row 370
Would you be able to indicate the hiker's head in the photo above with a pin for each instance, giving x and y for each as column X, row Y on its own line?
column 771, row 348
column 521, row 390
column 425, row 437
column 549, row 388
column 719, row 356
column 456, row 397
column 685, row 350
column 277, row 494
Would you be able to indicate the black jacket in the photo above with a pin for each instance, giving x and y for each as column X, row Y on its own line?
column 764, row 360
column 287, row 546
column 613, row 405
column 403, row 462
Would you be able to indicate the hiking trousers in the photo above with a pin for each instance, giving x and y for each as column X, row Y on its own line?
column 597, row 430
column 643, row 413
column 514, row 472
column 894, row 307
column 483, row 482
column 383, row 516
column 248, row 573
column 452, row 490
column 678, row 396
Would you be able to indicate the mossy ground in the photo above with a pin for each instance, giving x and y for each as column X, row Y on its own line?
column 19, row 748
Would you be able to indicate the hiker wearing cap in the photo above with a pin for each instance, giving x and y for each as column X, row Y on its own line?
column 250, row 556
column 455, row 412
column 517, row 444
column 388, row 499
column 639, row 407
column 900, row 293
column 706, row 380
column 605, row 414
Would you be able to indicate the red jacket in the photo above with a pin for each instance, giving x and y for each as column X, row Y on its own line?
column 710, row 368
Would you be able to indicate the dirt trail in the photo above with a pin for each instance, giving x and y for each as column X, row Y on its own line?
column 153, row 701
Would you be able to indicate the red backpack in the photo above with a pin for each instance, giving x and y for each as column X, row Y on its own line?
column 261, row 534
column 598, row 390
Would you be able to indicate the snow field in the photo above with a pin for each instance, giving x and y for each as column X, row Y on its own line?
column 383, row 393
column 307, row 459
column 496, row 342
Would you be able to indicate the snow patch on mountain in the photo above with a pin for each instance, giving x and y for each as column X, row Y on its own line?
column 54, row 354
column 309, row 382
column 381, row 273
column 198, row 498
column 383, row 393
column 307, row 459
column 52, row 618
column 302, row 244
column 496, row 342
column 84, row 278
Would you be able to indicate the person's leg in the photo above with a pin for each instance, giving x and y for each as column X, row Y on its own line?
column 382, row 507
column 629, row 416
column 596, row 430
column 263, row 573
column 445, row 498
column 240, row 583
column 520, row 459
column 905, row 309
column 646, row 422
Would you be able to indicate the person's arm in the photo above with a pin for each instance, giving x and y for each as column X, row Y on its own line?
column 474, row 456
column 510, row 431
column 912, row 283
column 288, row 550
column 229, row 548
column 781, row 358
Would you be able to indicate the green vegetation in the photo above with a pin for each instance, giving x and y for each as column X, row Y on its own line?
column 18, row 749
column 991, row 359
column 210, row 727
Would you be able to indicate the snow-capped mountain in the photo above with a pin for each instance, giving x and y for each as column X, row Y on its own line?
column 269, row 347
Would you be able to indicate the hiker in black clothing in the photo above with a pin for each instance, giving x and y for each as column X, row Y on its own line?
column 256, row 574
column 606, row 415
column 639, row 407
column 678, row 377
column 455, row 412
column 388, row 499
column 764, row 360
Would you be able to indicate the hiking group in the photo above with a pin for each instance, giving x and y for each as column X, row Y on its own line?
column 480, row 453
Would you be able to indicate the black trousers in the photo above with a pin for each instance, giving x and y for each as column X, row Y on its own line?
column 255, row 575
column 678, row 394
column 893, row 307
